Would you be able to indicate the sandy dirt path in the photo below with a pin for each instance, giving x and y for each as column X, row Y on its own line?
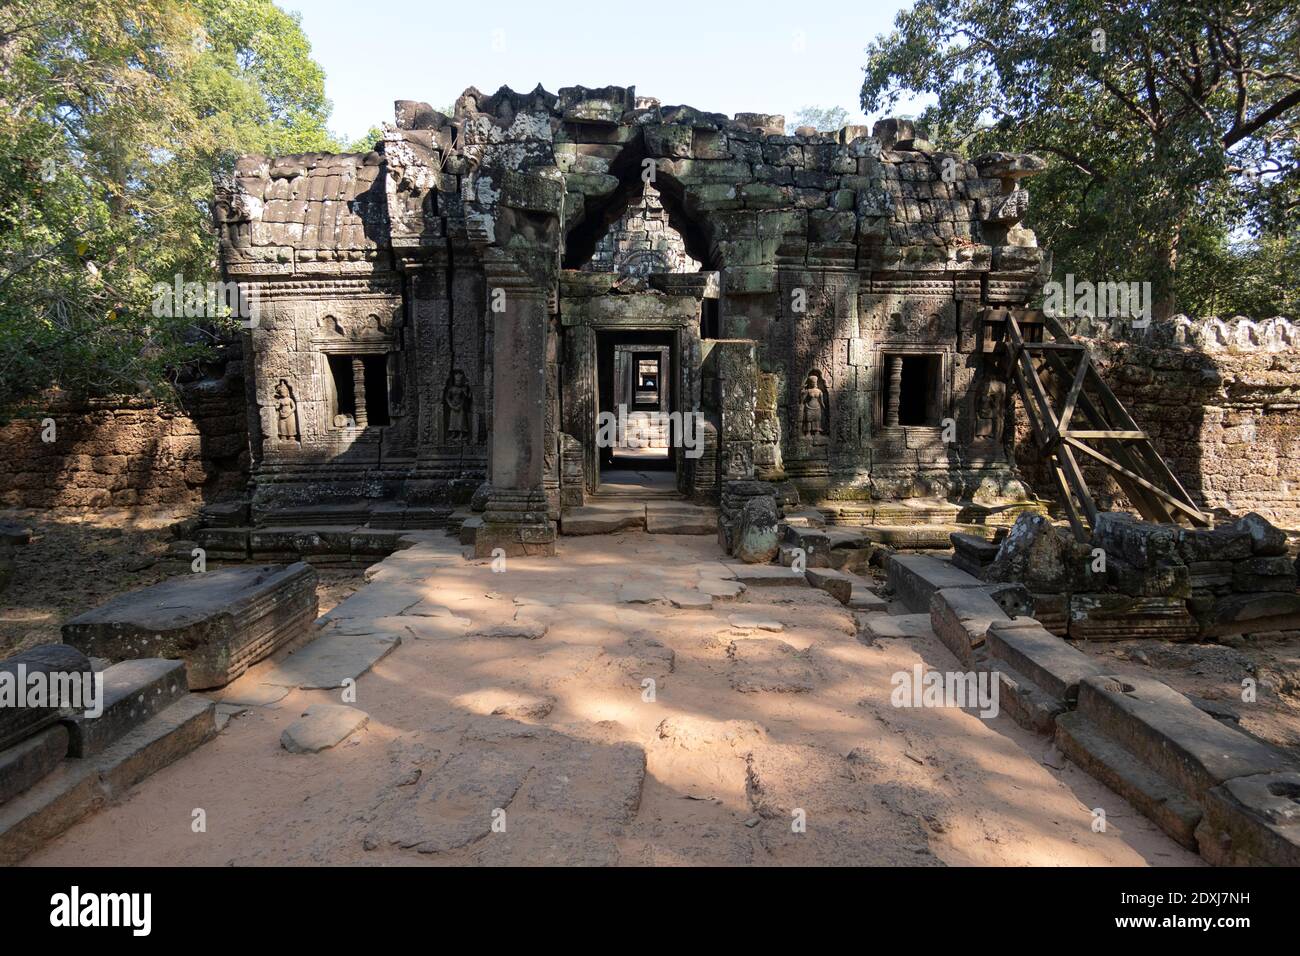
column 490, row 749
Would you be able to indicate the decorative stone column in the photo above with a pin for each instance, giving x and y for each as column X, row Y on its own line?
column 893, row 389
column 359, row 392
column 516, row 516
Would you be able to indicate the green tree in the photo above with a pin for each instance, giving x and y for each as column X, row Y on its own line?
column 1170, row 126
column 821, row 118
column 114, row 117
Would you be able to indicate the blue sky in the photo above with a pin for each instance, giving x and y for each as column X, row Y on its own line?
column 726, row 57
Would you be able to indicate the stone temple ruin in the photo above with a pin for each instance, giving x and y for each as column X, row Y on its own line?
column 445, row 311
column 586, row 312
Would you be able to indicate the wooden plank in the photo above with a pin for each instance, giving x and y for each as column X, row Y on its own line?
column 1133, row 476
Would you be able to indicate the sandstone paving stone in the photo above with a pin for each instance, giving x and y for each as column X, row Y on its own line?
column 835, row 583
column 960, row 617
column 454, row 804
column 517, row 630
column 59, row 664
column 720, row 590
column 688, row 599
column 331, row 659
column 640, row 594
column 747, row 621
column 250, row 692
column 322, row 726
column 764, row 575
column 882, row 625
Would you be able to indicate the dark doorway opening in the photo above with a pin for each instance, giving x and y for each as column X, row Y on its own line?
column 636, row 394
column 918, row 394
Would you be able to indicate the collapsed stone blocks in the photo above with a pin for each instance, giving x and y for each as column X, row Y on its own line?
column 97, row 735
column 218, row 622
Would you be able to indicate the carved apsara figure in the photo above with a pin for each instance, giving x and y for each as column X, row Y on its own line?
column 812, row 407
column 457, row 398
column 286, row 412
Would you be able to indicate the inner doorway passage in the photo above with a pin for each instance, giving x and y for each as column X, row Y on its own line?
column 636, row 396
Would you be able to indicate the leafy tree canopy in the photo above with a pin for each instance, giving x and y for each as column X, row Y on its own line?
column 1171, row 128
column 114, row 116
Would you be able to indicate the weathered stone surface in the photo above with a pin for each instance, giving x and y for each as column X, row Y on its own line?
column 79, row 787
column 1041, row 656
column 1153, row 746
column 1252, row 613
column 133, row 692
column 331, row 659
column 835, row 583
column 757, row 533
column 61, row 665
column 1117, row 617
column 914, row 579
column 876, row 625
column 29, row 760
column 1252, row 821
column 1266, row 540
column 322, row 726
column 1042, row 557
column 764, row 575
column 961, row 617
column 605, row 517
column 768, row 665
column 218, row 622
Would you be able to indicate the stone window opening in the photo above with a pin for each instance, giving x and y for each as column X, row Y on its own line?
column 358, row 390
column 913, row 390
column 709, row 319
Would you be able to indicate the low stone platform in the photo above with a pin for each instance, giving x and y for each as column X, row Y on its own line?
column 217, row 622
column 1040, row 672
column 612, row 514
column 1154, row 747
column 914, row 578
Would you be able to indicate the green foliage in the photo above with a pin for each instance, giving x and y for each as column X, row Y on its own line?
column 1171, row 129
column 113, row 118
column 821, row 118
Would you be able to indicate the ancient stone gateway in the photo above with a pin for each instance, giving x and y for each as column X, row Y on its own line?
column 461, row 304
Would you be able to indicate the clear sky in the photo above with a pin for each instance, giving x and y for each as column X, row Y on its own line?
column 723, row 56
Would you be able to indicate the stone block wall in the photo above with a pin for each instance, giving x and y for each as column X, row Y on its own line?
column 1220, row 400
column 128, row 453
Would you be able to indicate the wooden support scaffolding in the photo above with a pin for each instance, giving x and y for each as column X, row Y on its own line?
column 1060, row 387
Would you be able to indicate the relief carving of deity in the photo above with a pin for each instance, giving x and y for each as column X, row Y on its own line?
column 286, row 412
column 813, row 407
column 458, row 398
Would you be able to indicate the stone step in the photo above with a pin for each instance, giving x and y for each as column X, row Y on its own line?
column 603, row 517
column 914, row 578
column 77, row 788
column 763, row 575
column 1101, row 757
column 133, row 692
column 1252, row 821
column 1172, row 735
column 961, row 617
column 671, row 517
column 30, row 760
